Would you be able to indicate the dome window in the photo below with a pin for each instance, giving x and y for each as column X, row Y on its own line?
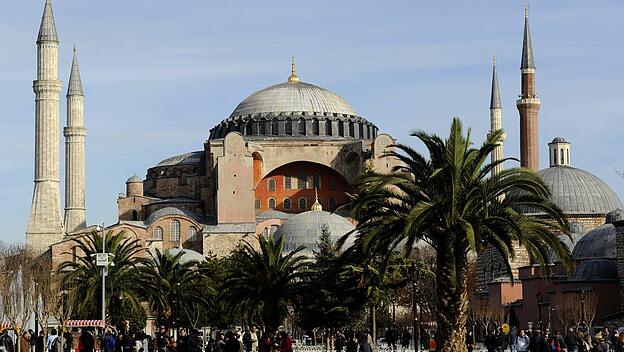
column 287, row 203
column 263, row 126
column 341, row 128
column 271, row 203
column 275, row 126
column 303, row 203
column 302, row 126
column 328, row 127
column 288, row 126
column 158, row 233
column 315, row 127
column 351, row 129
column 174, row 228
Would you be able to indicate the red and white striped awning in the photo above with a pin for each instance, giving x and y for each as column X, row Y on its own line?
column 83, row 323
column 4, row 326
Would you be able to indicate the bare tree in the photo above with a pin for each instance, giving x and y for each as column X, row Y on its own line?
column 17, row 286
column 590, row 305
column 567, row 310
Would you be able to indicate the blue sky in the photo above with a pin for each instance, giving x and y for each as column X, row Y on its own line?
column 157, row 77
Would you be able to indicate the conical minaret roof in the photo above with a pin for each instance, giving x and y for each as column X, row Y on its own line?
column 47, row 29
column 495, row 99
column 75, row 83
column 527, row 46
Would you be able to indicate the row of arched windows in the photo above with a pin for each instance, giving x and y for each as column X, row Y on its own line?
column 302, row 182
column 300, row 126
column 302, row 203
column 174, row 232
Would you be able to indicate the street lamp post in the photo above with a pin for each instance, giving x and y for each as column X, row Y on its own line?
column 582, row 306
column 415, row 278
column 101, row 260
column 539, row 308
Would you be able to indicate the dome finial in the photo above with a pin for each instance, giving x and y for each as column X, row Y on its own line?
column 316, row 206
column 526, row 10
column 293, row 72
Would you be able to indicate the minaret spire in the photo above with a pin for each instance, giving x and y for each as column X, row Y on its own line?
column 75, row 134
column 45, row 225
column 496, row 119
column 529, row 104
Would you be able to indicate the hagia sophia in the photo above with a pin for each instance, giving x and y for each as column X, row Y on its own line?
column 281, row 163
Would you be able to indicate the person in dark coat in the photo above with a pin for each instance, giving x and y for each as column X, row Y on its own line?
column 87, row 341
column 40, row 342
column 183, row 341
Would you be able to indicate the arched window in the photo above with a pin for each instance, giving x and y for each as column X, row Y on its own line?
column 288, row 126
column 302, row 126
column 351, row 129
column 287, row 182
column 332, row 204
column 158, row 233
column 303, row 203
column 315, row 126
column 562, row 156
column 174, row 229
column 275, row 126
column 263, row 126
column 361, row 130
column 258, row 203
column 328, row 127
column 271, row 184
column 555, row 156
column 568, row 154
column 248, row 128
column 341, row 128
column 302, row 181
column 287, row 203
column 192, row 234
column 135, row 215
column 271, row 203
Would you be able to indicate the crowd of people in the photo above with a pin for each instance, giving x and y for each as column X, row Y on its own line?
column 575, row 340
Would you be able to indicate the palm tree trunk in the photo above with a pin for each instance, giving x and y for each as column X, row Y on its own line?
column 452, row 299
column 374, row 324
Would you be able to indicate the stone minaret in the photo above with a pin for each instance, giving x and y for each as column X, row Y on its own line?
column 528, row 104
column 75, row 133
column 496, row 119
column 45, row 225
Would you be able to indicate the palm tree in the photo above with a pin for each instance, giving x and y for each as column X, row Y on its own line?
column 265, row 280
column 171, row 284
column 448, row 201
column 123, row 295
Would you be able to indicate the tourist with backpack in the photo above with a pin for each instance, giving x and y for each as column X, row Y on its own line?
column 53, row 343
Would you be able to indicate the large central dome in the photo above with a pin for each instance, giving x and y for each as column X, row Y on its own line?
column 293, row 97
column 295, row 109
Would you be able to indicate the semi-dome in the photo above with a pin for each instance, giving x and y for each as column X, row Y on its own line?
column 170, row 211
column 295, row 109
column 597, row 243
column 188, row 255
column 578, row 192
column 595, row 270
column 304, row 229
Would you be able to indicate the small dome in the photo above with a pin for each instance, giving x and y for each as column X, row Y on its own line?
column 304, row 229
column 134, row 179
column 595, row 270
column 615, row 216
column 272, row 214
column 597, row 243
column 579, row 192
column 170, row 211
column 187, row 255
column 559, row 140
column 183, row 159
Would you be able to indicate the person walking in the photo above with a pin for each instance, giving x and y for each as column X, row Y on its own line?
column 406, row 338
column 571, row 340
column 108, row 342
column 470, row 342
column 87, row 341
column 53, row 342
column 24, row 341
column 522, row 342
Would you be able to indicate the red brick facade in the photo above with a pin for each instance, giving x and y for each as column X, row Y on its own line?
column 296, row 181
